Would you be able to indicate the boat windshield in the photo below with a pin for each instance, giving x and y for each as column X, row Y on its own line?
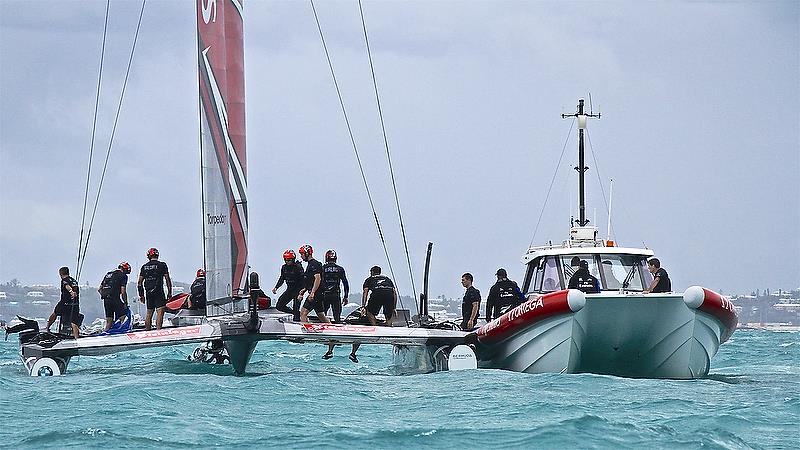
column 616, row 269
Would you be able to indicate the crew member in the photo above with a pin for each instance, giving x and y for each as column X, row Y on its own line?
column 292, row 274
column 68, row 307
column 503, row 295
column 583, row 280
column 470, row 304
column 197, row 296
column 660, row 281
column 333, row 276
column 379, row 293
column 151, row 288
column 114, row 293
column 313, row 280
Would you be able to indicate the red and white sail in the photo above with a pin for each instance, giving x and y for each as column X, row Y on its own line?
column 224, row 162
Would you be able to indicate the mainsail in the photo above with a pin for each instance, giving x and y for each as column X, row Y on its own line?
column 224, row 165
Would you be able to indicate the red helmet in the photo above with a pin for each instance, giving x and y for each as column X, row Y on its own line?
column 201, row 273
column 306, row 250
column 289, row 255
column 152, row 253
column 330, row 256
column 126, row 268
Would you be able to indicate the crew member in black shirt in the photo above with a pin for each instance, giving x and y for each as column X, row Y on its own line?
column 379, row 293
column 197, row 296
column 313, row 279
column 292, row 274
column 114, row 293
column 583, row 280
column 503, row 295
column 151, row 281
column 333, row 276
column 661, row 281
column 68, row 307
column 471, row 303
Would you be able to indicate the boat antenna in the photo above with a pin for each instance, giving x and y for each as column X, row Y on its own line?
column 581, row 168
column 610, row 194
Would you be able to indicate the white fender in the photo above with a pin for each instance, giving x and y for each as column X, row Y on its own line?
column 694, row 296
column 462, row 357
column 45, row 367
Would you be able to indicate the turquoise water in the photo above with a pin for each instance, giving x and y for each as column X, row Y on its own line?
column 294, row 399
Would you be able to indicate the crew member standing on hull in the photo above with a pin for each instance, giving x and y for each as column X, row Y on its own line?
column 292, row 274
column 333, row 276
column 151, row 288
column 68, row 307
column 661, row 282
column 313, row 280
column 114, row 293
column 379, row 293
column 471, row 303
column 503, row 295
column 197, row 296
column 583, row 280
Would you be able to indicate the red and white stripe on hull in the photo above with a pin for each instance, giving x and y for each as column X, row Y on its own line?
column 532, row 311
column 712, row 303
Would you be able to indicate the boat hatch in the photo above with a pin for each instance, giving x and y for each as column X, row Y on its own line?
column 616, row 271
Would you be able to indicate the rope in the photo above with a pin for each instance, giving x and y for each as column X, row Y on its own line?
column 353, row 142
column 111, row 140
column 535, row 230
column 91, row 145
column 388, row 155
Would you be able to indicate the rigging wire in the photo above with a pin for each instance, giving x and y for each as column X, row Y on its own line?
column 388, row 156
column 91, row 145
column 353, row 142
column 111, row 140
column 541, row 213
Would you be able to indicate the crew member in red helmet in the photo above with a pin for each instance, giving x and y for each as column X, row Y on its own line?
column 292, row 274
column 114, row 294
column 151, row 288
column 197, row 296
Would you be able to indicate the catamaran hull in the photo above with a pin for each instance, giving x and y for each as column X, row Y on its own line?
column 640, row 336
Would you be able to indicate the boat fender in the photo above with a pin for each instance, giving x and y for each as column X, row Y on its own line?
column 45, row 367
column 694, row 296
column 576, row 300
column 462, row 357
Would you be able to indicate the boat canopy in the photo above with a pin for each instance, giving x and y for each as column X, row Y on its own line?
column 617, row 268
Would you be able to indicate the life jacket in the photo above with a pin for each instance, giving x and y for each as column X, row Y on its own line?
column 109, row 285
column 198, row 292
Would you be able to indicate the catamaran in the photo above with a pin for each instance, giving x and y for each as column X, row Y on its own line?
column 618, row 331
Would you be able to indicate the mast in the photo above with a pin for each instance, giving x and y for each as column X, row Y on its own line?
column 223, row 154
column 581, row 168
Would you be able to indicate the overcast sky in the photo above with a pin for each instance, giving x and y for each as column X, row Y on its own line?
column 700, row 131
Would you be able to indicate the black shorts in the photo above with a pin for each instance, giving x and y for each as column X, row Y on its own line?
column 376, row 302
column 155, row 301
column 68, row 313
column 114, row 307
column 317, row 304
column 331, row 299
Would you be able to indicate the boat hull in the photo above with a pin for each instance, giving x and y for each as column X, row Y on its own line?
column 636, row 335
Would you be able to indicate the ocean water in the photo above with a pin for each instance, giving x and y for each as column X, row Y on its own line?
column 293, row 399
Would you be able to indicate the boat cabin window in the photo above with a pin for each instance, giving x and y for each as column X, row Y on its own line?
column 543, row 276
column 617, row 269
column 569, row 264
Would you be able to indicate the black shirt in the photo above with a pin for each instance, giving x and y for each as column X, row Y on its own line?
column 332, row 275
column 292, row 274
column 313, row 267
column 66, row 298
column 379, row 285
column 198, row 293
column 664, row 285
column 111, row 286
column 471, row 296
column 505, row 292
column 584, row 281
column 153, row 273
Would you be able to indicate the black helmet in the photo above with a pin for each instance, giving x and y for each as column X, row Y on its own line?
column 501, row 273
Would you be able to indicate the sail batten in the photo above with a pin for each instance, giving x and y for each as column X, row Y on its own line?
column 224, row 162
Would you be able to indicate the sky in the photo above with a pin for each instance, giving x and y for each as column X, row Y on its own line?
column 700, row 132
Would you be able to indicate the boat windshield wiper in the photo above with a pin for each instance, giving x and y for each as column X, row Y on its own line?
column 629, row 277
